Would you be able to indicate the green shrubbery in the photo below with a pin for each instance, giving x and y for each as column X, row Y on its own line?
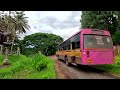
column 39, row 62
column 39, row 67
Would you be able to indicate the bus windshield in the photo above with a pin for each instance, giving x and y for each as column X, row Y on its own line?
column 97, row 41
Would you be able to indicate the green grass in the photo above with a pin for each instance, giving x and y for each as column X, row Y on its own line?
column 1, row 59
column 113, row 68
column 22, row 67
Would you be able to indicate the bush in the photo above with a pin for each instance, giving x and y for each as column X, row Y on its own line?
column 21, row 67
column 39, row 62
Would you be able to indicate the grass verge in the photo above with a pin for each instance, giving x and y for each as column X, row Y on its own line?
column 22, row 67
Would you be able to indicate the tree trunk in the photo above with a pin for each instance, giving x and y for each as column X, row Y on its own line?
column 11, row 51
column 5, row 61
column 1, row 51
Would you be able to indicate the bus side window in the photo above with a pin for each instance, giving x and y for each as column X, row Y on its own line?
column 62, row 48
column 73, row 45
column 77, row 41
column 77, row 44
column 68, row 47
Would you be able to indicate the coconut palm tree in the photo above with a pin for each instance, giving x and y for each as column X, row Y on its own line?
column 14, row 24
column 21, row 22
column 20, row 25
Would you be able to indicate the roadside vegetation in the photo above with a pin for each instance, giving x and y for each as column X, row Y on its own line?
column 23, row 57
column 22, row 67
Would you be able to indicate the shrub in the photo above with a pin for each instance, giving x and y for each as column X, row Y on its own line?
column 39, row 62
column 22, row 67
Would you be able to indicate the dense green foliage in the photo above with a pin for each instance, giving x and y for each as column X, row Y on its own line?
column 38, row 67
column 107, row 20
column 39, row 62
column 43, row 42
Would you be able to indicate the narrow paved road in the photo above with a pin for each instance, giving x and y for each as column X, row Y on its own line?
column 81, row 72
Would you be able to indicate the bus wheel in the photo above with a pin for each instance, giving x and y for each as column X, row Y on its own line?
column 57, row 57
column 78, row 65
column 66, row 61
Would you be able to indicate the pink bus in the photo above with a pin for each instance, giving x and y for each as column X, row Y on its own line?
column 96, row 47
column 87, row 47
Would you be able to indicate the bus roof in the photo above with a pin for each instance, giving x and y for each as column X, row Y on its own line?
column 80, row 30
column 71, row 36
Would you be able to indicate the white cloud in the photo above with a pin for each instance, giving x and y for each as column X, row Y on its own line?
column 63, row 23
column 66, row 33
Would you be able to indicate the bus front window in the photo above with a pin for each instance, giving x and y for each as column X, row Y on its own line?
column 97, row 41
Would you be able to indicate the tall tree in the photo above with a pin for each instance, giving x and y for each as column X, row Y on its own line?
column 44, row 42
column 20, row 25
column 99, row 19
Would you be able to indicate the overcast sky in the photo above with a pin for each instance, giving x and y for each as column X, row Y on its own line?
column 63, row 23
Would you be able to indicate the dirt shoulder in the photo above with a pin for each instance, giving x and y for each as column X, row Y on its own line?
column 4, row 66
column 60, row 72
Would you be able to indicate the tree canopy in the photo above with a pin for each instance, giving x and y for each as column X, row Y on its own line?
column 43, row 42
